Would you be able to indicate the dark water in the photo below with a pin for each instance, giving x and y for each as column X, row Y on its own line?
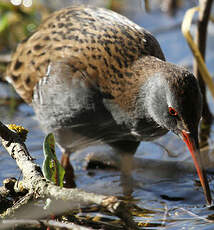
column 164, row 177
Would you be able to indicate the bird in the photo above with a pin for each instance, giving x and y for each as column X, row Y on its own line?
column 94, row 76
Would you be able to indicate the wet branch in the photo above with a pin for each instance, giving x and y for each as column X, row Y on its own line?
column 42, row 223
column 38, row 187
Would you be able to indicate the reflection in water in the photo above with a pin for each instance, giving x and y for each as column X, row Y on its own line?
column 157, row 183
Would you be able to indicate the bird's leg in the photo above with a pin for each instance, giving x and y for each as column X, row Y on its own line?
column 69, row 177
column 126, row 149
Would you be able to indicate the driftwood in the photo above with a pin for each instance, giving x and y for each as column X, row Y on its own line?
column 38, row 187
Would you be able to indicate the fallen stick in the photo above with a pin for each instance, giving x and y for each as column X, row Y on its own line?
column 40, row 223
column 34, row 182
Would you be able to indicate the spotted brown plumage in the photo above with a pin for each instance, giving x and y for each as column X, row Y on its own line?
column 94, row 76
column 101, row 42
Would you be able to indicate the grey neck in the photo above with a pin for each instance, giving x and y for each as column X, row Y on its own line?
column 154, row 99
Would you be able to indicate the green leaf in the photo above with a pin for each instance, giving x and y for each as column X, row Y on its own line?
column 3, row 22
column 51, row 168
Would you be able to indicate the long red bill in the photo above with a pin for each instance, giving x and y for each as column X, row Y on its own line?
column 190, row 142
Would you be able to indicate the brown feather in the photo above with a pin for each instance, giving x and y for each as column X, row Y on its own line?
column 102, row 43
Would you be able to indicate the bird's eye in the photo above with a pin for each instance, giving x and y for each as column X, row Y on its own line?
column 172, row 111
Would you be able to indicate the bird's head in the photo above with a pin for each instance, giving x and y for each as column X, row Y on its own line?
column 172, row 98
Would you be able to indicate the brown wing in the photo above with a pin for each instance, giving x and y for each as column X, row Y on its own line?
column 100, row 42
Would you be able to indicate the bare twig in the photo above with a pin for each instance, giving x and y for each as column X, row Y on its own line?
column 24, row 200
column 9, row 224
column 204, row 218
column 36, row 184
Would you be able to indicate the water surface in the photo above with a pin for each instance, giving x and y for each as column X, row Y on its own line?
column 164, row 178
